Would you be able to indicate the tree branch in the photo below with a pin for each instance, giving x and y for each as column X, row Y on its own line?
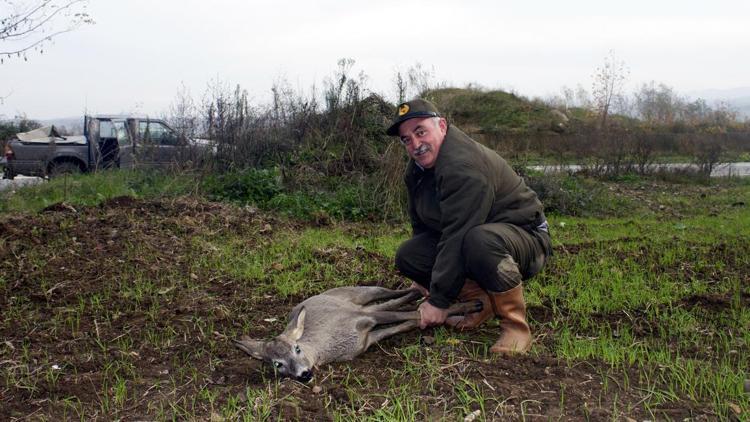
column 39, row 24
column 11, row 26
column 30, row 46
column 21, row 27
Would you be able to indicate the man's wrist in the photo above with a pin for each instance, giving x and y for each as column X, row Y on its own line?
column 438, row 302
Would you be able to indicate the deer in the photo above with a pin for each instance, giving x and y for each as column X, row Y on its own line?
column 338, row 325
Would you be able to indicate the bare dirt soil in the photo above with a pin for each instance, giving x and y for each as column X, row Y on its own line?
column 53, row 265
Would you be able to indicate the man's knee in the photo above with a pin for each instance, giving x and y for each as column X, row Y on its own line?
column 402, row 259
column 414, row 261
column 488, row 259
column 508, row 273
column 480, row 247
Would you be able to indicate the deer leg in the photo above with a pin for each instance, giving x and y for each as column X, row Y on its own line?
column 377, row 335
column 396, row 303
column 465, row 307
column 362, row 295
column 375, row 294
column 389, row 317
column 410, row 321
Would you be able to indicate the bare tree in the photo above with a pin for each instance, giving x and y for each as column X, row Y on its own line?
column 571, row 98
column 607, row 87
column 696, row 112
column 723, row 115
column 401, row 86
column 421, row 79
column 183, row 113
column 658, row 104
column 30, row 25
column 417, row 81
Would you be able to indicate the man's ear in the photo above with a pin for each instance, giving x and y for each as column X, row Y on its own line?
column 443, row 125
column 300, row 328
column 254, row 348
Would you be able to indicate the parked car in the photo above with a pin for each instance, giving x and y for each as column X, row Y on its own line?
column 107, row 141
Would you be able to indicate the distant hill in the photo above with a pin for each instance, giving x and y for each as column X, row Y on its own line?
column 742, row 105
column 721, row 94
column 738, row 98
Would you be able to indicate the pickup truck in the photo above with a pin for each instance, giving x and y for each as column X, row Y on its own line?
column 107, row 142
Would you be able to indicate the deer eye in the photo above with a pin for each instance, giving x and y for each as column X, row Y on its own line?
column 277, row 364
column 297, row 349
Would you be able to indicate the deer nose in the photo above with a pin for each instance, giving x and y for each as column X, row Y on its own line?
column 305, row 376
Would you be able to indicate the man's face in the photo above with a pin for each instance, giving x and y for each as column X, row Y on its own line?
column 422, row 138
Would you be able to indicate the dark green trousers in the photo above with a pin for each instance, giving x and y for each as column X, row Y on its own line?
column 485, row 247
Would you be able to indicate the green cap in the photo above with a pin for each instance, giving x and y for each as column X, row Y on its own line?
column 410, row 110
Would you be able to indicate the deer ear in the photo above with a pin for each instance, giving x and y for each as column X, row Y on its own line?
column 254, row 348
column 300, row 328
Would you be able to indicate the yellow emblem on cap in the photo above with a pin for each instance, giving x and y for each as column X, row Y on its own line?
column 403, row 109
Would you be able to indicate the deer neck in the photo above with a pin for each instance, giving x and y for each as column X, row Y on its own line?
column 311, row 353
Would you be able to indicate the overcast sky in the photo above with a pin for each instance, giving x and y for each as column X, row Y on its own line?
column 139, row 53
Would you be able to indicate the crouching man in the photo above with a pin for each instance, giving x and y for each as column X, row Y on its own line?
column 478, row 230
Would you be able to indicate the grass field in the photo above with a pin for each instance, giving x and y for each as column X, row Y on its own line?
column 122, row 307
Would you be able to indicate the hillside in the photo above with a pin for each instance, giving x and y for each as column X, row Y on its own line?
column 495, row 111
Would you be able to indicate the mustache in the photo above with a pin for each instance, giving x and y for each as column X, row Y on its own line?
column 422, row 149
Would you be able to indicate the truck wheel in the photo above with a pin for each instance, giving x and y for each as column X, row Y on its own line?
column 63, row 167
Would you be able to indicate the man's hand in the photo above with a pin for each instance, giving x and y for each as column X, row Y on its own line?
column 415, row 285
column 431, row 315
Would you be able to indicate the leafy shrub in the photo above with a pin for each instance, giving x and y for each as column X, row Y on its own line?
column 345, row 203
column 330, row 199
column 575, row 196
column 249, row 185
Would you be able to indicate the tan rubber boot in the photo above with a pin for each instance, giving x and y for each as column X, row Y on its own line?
column 511, row 308
column 470, row 292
